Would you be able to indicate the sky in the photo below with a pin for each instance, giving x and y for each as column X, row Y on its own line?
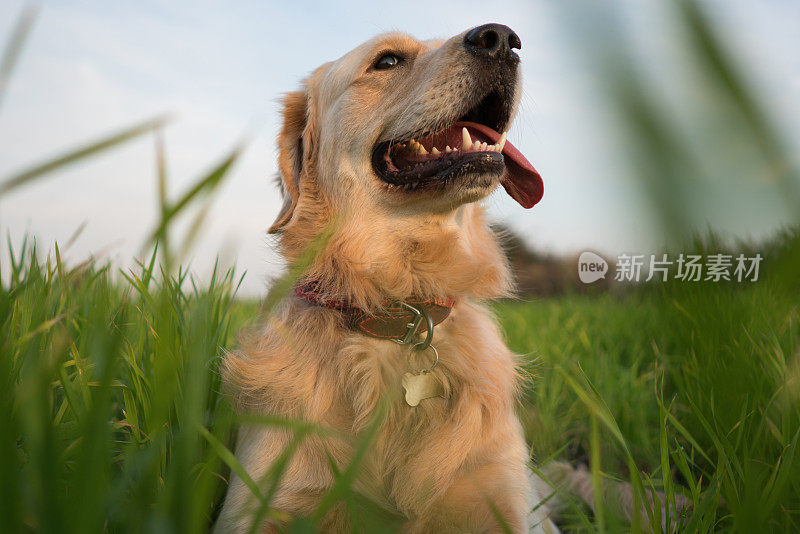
column 218, row 69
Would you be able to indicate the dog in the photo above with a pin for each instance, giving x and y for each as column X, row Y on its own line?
column 385, row 155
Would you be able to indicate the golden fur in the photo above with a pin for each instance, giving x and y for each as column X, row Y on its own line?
column 442, row 465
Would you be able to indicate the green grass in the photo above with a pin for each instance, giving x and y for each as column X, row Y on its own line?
column 701, row 382
column 113, row 419
column 105, row 387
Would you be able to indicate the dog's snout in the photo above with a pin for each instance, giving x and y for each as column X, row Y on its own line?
column 493, row 41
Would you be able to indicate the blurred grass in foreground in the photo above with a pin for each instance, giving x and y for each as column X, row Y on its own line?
column 104, row 388
column 696, row 384
column 111, row 408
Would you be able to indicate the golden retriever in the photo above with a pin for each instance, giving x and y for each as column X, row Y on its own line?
column 384, row 156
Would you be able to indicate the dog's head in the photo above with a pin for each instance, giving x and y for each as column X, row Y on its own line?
column 404, row 127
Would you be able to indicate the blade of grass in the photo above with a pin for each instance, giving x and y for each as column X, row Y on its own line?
column 21, row 178
column 597, row 482
column 273, row 479
column 230, row 460
column 721, row 68
column 344, row 482
column 13, row 48
column 204, row 186
column 498, row 516
column 599, row 409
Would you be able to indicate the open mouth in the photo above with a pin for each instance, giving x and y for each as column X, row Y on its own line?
column 470, row 147
column 441, row 157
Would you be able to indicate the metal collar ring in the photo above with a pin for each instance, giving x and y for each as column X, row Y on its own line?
column 420, row 314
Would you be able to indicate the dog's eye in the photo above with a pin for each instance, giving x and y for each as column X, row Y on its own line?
column 388, row 61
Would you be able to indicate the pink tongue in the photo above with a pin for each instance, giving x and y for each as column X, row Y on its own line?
column 521, row 180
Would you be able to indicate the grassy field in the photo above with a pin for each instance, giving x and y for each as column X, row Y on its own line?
column 113, row 419
column 112, row 416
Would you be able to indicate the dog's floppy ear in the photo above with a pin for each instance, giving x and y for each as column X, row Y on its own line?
column 293, row 146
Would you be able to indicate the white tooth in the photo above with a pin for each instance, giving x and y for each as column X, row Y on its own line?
column 502, row 142
column 448, row 149
column 435, row 151
column 476, row 145
column 421, row 150
column 485, row 146
column 466, row 140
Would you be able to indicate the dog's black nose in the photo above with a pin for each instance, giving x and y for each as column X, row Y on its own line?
column 493, row 41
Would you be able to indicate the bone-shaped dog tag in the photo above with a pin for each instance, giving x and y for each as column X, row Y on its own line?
column 421, row 386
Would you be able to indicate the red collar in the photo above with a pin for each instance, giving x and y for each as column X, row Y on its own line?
column 399, row 321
